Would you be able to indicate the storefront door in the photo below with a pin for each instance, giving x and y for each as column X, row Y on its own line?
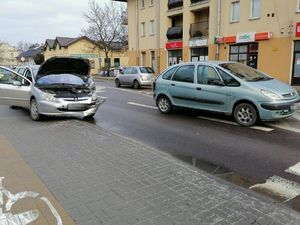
column 244, row 53
column 296, row 64
column 199, row 54
column 175, row 57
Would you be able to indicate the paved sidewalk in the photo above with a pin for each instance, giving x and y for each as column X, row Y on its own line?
column 103, row 178
column 24, row 199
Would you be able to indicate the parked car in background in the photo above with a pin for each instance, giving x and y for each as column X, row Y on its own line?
column 227, row 87
column 136, row 76
column 61, row 87
column 27, row 71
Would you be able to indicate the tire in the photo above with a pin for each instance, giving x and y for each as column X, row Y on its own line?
column 164, row 104
column 245, row 114
column 13, row 107
column 34, row 111
column 117, row 82
column 136, row 84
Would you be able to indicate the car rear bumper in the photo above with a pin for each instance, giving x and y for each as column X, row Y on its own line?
column 146, row 82
column 69, row 109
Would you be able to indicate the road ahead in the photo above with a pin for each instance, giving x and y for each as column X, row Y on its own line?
column 250, row 152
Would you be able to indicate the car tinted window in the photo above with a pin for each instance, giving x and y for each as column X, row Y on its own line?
column 134, row 70
column 207, row 74
column 228, row 80
column 185, row 74
column 146, row 70
column 168, row 74
column 21, row 71
column 8, row 77
column 28, row 75
column 127, row 70
column 245, row 72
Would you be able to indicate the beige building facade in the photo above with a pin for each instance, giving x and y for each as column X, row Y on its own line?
column 85, row 48
column 261, row 33
column 8, row 55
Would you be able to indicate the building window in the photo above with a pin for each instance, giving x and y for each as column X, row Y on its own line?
column 175, row 57
column 152, row 60
column 235, row 11
column 152, row 27
column 107, row 62
column 142, row 4
column 255, row 9
column 246, row 53
column 151, row 2
column 298, row 6
column 143, row 29
column 199, row 54
column 143, row 58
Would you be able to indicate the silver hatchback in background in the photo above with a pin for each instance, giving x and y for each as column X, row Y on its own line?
column 135, row 76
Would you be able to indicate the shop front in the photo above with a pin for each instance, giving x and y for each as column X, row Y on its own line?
column 244, row 47
column 199, row 50
column 296, row 59
column 174, row 52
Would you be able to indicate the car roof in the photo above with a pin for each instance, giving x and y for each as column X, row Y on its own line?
column 214, row 63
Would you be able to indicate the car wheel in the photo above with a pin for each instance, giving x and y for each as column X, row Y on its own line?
column 136, row 84
column 245, row 114
column 117, row 82
column 164, row 104
column 34, row 111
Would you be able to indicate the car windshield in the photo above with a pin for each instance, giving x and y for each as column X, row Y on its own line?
column 60, row 79
column 146, row 70
column 245, row 72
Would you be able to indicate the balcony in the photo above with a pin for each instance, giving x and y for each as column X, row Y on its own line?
column 174, row 33
column 175, row 4
column 197, row 1
column 199, row 29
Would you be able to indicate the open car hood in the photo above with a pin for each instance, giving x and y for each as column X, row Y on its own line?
column 64, row 65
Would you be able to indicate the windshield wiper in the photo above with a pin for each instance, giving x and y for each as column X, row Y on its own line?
column 261, row 78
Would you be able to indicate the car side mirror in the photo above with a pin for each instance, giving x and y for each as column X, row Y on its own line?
column 217, row 82
column 17, row 83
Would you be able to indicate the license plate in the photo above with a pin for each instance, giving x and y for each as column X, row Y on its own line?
column 294, row 107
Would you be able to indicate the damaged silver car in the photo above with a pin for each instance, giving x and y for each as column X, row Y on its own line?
column 61, row 87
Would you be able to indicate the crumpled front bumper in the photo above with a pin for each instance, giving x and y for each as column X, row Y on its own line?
column 70, row 108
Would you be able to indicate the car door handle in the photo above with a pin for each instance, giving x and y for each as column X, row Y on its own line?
column 173, row 84
column 199, row 88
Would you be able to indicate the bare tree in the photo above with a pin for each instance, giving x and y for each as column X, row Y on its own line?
column 106, row 27
column 24, row 45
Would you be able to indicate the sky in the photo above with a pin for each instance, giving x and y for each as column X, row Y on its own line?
column 36, row 20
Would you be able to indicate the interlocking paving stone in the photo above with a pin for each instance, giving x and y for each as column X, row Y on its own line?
column 103, row 178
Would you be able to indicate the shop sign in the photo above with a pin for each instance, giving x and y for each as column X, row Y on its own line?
column 245, row 37
column 198, row 43
column 263, row 36
column 219, row 40
column 174, row 44
column 297, row 29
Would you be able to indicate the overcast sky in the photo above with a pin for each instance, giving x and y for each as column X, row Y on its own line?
column 36, row 20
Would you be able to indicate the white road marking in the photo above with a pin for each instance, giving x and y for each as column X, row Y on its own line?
column 23, row 218
column 141, row 105
column 266, row 129
column 279, row 186
column 285, row 126
column 295, row 169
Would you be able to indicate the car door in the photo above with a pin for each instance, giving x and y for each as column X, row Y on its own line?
column 124, row 78
column 212, row 92
column 182, row 86
column 134, row 75
column 14, row 89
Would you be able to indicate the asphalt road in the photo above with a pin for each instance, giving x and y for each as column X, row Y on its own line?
column 253, row 153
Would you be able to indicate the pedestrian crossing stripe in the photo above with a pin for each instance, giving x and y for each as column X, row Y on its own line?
column 295, row 169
